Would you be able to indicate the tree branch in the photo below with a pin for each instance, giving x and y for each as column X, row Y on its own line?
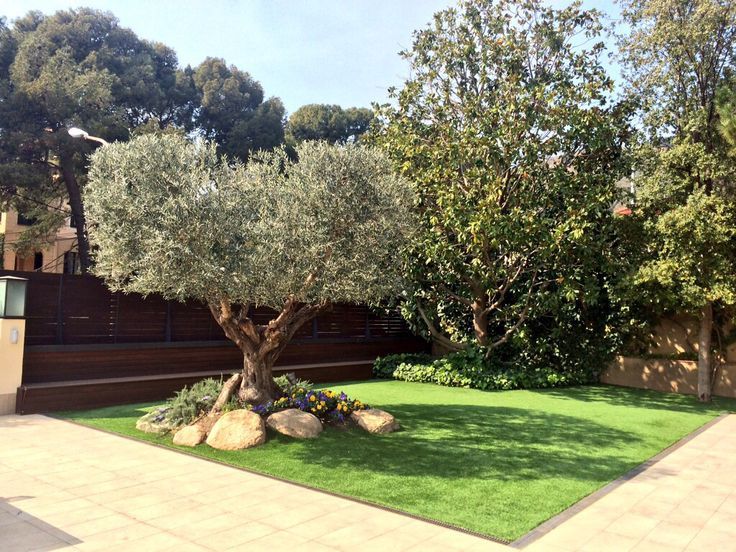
column 435, row 333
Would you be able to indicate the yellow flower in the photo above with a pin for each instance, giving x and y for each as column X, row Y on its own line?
column 322, row 403
column 312, row 398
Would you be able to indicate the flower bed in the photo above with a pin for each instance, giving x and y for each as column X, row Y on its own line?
column 327, row 405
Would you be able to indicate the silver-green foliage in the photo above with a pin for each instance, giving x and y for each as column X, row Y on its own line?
column 191, row 402
column 167, row 216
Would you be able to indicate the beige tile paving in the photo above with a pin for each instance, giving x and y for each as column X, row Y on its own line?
column 686, row 501
column 66, row 487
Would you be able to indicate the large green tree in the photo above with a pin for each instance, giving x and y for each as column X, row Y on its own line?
column 678, row 55
column 81, row 68
column 504, row 129
column 73, row 68
column 327, row 122
column 170, row 217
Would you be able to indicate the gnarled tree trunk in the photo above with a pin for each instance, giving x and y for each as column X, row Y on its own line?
column 705, row 360
column 261, row 344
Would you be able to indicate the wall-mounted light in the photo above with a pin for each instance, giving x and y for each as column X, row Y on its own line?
column 14, row 336
column 13, row 297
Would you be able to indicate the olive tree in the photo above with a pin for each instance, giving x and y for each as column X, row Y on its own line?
column 169, row 217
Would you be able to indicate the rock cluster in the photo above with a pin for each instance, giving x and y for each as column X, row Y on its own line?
column 242, row 429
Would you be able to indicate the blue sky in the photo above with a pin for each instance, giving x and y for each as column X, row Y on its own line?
column 304, row 51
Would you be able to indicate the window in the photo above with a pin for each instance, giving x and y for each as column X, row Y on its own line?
column 24, row 220
column 71, row 263
column 37, row 261
column 72, row 222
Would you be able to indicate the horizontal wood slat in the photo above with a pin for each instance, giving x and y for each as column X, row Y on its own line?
column 59, row 364
column 87, row 346
column 67, row 309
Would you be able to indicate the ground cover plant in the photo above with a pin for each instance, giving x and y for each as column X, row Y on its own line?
column 498, row 463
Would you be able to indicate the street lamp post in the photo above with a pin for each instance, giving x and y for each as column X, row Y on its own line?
column 75, row 132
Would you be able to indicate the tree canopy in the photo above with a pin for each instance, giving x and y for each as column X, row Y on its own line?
column 326, row 122
column 232, row 111
column 679, row 58
column 81, row 68
column 505, row 131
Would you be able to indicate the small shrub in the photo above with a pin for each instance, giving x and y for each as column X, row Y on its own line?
column 289, row 383
column 384, row 367
column 191, row 402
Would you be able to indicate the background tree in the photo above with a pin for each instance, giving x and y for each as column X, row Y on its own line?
column 171, row 218
column 678, row 55
column 80, row 68
column 331, row 123
column 76, row 67
column 232, row 111
column 505, row 132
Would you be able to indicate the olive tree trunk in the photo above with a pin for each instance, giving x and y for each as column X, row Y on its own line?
column 261, row 346
column 705, row 360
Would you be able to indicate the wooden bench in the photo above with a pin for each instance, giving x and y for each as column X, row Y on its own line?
column 34, row 398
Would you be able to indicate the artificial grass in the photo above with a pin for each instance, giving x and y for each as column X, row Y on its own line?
column 499, row 463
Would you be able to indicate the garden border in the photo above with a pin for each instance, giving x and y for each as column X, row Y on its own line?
column 544, row 528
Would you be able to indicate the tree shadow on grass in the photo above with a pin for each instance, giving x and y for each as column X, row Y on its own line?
column 640, row 398
column 450, row 441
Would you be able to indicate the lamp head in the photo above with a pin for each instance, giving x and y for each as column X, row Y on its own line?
column 75, row 132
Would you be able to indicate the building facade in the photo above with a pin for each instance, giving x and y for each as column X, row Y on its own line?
column 59, row 255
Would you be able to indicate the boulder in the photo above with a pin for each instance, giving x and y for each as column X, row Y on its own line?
column 295, row 423
column 375, row 421
column 154, row 422
column 236, row 430
column 190, row 436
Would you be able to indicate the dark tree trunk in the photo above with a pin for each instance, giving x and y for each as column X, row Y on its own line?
column 705, row 360
column 75, row 202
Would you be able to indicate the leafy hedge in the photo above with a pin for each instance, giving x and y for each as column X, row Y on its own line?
column 470, row 369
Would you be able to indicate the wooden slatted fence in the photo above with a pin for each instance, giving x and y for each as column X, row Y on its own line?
column 81, row 338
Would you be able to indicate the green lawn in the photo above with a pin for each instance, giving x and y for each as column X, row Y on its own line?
column 499, row 463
